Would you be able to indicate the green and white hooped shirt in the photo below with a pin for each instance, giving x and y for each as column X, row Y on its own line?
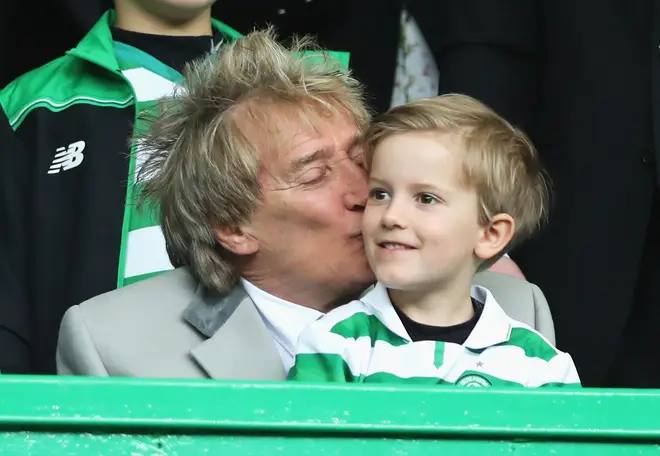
column 143, row 252
column 366, row 342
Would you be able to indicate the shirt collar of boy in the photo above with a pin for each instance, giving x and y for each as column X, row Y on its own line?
column 493, row 328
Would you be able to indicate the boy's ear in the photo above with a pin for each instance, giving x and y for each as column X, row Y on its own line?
column 495, row 236
column 237, row 240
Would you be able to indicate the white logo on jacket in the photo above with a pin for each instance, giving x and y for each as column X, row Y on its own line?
column 68, row 157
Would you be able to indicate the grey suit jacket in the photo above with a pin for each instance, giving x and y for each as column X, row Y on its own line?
column 170, row 327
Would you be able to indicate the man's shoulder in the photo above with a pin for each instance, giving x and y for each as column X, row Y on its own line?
column 520, row 299
column 169, row 291
column 489, row 279
column 138, row 331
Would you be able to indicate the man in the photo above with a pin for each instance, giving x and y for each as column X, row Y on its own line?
column 583, row 79
column 76, row 234
column 257, row 172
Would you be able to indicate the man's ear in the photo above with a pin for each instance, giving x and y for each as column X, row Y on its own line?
column 495, row 236
column 237, row 240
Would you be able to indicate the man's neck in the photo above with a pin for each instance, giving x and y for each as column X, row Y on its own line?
column 444, row 305
column 313, row 297
column 134, row 19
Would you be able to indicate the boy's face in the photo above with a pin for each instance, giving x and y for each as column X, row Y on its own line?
column 420, row 224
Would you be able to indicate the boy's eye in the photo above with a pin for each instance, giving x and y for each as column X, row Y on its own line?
column 427, row 198
column 378, row 194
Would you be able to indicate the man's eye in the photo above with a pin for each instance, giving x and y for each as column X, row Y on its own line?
column 427, row 198
column 315, row 175
column 378, row 194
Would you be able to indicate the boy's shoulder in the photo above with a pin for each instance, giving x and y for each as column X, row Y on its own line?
column 355, row 314
column 510, row 332
column 367, row 318
column 531, row 342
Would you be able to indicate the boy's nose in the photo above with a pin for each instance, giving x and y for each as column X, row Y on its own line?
column 394, row 217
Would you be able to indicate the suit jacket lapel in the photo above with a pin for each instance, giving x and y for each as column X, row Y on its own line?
column 240, row 346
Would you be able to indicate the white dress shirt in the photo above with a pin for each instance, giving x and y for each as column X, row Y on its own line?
column 285, row 320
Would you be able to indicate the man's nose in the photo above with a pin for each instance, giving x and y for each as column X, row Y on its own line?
column 357, row 189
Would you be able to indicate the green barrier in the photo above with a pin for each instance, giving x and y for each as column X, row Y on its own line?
column 136, row 417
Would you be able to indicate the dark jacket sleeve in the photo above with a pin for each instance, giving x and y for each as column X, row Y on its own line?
column 488, row 49
column 15, row 189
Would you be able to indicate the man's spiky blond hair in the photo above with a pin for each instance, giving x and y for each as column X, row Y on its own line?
column 202, row 169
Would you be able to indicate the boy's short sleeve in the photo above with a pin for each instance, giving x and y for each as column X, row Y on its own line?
column 323, row 356
column 559, row 372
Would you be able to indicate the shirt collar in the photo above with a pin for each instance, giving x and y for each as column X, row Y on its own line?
column 494, row 325
column 285, row 319
column 492, row 328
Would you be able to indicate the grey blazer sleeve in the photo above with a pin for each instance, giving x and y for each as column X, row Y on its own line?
column 76, row 352
column 542, row 315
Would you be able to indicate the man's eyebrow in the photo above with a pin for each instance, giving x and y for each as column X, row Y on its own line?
column 300, row 163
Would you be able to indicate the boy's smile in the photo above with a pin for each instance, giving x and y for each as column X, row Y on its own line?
column 421, row 223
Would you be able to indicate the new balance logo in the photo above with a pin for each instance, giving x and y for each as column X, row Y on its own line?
column 68, row 157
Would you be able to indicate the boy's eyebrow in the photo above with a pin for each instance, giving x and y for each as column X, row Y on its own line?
column 418, row 186
column 376, row 180
column 424, row 186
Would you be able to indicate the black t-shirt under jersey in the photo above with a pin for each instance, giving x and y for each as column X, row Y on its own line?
column 457, row 334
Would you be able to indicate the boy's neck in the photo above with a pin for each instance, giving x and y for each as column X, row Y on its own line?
column 447, row 305
column 134, row 19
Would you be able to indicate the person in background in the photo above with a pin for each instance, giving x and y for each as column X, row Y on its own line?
column 256, row 167
column 76, row 233
column 582, row 79
column 14, row 312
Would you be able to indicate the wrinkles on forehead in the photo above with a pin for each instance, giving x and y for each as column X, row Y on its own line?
column 278, row 129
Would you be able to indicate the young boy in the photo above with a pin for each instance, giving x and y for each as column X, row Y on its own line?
column 452, row 186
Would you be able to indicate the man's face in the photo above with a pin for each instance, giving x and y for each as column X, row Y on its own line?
column 421, row 223
column 308, row 226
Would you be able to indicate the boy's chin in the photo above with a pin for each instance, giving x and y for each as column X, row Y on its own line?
column 401, row 284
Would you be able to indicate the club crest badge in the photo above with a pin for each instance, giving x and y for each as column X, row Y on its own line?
column 473, row 381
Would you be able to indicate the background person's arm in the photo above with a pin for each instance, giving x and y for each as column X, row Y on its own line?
column 15, row 190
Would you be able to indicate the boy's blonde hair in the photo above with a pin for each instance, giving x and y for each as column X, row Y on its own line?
column 499, row 161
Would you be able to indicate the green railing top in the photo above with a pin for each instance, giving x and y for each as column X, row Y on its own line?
column 119, row 405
